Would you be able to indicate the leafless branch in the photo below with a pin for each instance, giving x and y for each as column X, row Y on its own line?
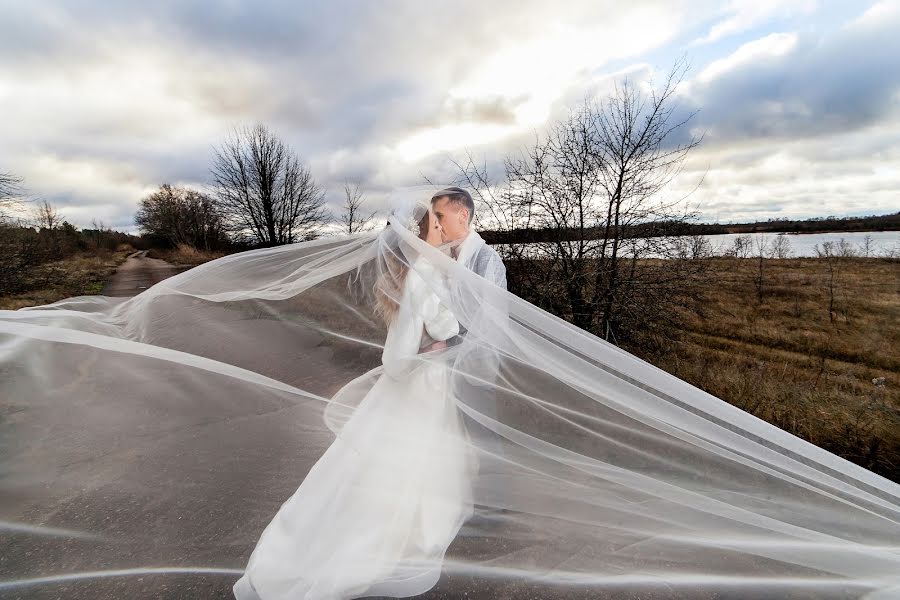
column 352, row 219
column 582, row 209
column 11, row 192
column 263, row 190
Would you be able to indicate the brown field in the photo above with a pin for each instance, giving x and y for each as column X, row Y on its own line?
column 791, row 361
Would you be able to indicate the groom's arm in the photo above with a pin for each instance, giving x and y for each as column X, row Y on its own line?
column 480, row 365
column 496, row 271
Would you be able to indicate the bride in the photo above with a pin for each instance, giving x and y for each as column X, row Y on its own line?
column 340, row 535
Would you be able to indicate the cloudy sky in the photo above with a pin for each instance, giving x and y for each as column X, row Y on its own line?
column 101, row 102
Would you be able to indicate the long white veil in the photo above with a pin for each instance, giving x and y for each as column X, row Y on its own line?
column 163, row 431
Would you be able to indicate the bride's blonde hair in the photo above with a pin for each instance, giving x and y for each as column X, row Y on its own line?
column 388, row 287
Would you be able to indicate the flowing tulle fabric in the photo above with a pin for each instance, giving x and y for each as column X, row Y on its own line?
column 618, row 480
column 341, row 535
column 376, row 513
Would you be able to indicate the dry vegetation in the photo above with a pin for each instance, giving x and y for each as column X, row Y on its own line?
column 82, row 273
column 830, row 377
column 186, row 255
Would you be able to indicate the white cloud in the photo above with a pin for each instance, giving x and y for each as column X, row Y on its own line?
column 742, row 15
column 774, row 45
column 533, row 72
column 877, row 14
column 750, row 180
column 101, row 186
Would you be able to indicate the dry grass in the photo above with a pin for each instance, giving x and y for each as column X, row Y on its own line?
column 790, row 361
column 185, row 255
column 77, row 275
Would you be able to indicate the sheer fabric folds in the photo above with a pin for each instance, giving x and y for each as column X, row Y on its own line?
column 166, row 430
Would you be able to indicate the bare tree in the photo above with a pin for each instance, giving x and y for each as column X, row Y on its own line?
column 845, row 249
column 781, row 247
column 832, row 252
column 98, row 233
column 867, row 247
column 10, row 195
column 742, row 246
column 263, row 191
column 693, row 247
column 181, row 216
column 45, row 215
column 583, row 205
column 352, row 218
column 762, row 251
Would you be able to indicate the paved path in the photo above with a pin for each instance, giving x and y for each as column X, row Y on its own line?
column 137, row 273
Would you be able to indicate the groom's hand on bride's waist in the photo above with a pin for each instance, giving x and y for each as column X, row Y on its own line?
column 441, row 344
column 438, row 345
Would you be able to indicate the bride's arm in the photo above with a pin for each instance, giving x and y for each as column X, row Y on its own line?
column 420, row 308
column 439, row 321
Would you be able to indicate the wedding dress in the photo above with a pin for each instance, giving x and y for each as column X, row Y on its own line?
column 339, row 535
column 147, row 442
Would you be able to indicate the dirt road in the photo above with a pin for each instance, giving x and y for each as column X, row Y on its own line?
column 138, row 273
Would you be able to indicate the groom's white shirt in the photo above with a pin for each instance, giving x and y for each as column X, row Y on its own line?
column 486, row 263
column 465, row 247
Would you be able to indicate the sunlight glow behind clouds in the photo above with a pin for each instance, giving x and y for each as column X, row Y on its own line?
column 532, row 74
column 450, row 137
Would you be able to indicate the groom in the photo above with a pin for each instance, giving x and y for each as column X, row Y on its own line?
column 455, row 211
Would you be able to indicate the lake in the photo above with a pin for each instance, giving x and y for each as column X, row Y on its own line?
column 880, row 243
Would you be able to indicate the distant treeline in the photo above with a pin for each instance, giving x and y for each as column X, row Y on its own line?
column 890, row 222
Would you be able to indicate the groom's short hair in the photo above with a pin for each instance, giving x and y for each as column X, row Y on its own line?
column 457, row 195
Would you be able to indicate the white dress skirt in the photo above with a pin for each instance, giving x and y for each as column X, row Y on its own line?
column 375, row 514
